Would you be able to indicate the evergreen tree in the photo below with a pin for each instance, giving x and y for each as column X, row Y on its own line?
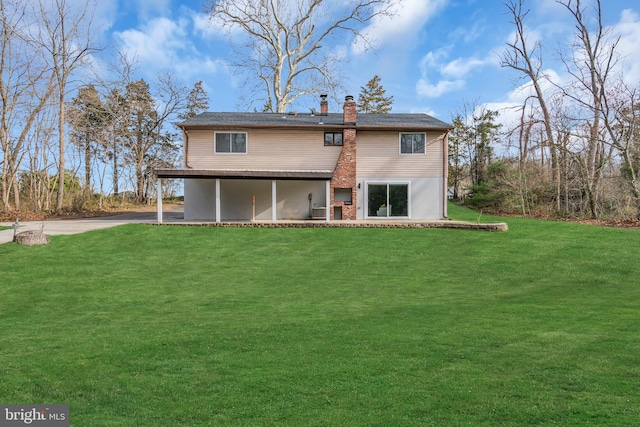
column 372, row 98
column 87, row 117
column 140, row 130
column 458, row 156
column 143, row 126
column 197, row 102
column 115, row 106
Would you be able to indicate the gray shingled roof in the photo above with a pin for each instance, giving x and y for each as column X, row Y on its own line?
column 287, row 120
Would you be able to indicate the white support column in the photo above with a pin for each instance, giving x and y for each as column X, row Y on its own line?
column 217, row 199
column 274, row 202
column 328, row 201
column 159, row 196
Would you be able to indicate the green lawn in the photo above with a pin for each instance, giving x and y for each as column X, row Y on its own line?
column 189, row 326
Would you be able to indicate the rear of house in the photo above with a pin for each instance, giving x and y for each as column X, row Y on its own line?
column 319, row 165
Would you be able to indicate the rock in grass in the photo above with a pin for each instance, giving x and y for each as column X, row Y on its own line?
column 31, row 238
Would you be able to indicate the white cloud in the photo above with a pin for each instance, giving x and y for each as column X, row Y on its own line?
column 432, row 63
column 146, row 9
column 628, row 29
column 105, row 15
column 468, row 35
column 168, row 45
column 549, row 9
column 433, row 59
column 461, row 67
column 203, row 26
column 196, row 68
column 206, row 27
column 451, row 73
column 428, row 90
column 409, row 20
column 156, row 43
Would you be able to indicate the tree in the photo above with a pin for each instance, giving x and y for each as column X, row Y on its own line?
column 372, row 98
column 483, row 134
column 458, row 160
column 622, row 120
column 197, row 102
column 87, row 117
column 139, row 129
column 116, row 108
column 591, row 61
column 471, row 158
column 115, row 117
column 528, row 61
column 26, row 86
column 283, row 47
column 142, row 127
column 65, row 38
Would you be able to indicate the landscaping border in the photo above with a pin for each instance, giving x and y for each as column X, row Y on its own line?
column 500, row 226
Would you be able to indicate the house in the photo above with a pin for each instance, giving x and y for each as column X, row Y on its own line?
column 316, row 165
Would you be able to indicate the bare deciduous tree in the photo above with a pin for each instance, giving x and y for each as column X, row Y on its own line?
column 526, row 58
column 25, row 88
column 282, row 42
column 64, row 35
column 591, row 61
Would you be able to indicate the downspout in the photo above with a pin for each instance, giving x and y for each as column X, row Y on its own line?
column 445, row 174
column 186, row 148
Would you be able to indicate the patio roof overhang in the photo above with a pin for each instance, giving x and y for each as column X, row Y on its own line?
column 320, row 175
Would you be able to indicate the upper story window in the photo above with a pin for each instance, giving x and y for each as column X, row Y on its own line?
column 413, row 143
column 231, row 142
column 333, row 138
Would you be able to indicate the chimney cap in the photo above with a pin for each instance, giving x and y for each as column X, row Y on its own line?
column 348, row 98
column 323, row 96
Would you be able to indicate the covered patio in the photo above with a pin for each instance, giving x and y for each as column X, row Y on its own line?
column 251, row 195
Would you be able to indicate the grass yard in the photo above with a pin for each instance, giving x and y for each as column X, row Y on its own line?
column 188, row 326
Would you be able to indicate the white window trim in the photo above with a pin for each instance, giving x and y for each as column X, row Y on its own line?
column 412, row 133
column 246, row 138
column 385, row 182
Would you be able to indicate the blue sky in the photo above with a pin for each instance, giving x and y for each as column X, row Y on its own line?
column 433, row 57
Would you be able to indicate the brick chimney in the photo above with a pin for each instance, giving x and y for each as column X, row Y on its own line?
column 324, row 105
column 349, row 110
column 344, row 174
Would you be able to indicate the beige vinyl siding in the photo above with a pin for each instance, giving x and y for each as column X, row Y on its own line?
column 379, row 156
column 266, row 150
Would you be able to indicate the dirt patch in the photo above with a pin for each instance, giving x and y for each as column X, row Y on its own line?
column 628, row 223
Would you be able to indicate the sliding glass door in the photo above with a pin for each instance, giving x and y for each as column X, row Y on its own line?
column 387, row 200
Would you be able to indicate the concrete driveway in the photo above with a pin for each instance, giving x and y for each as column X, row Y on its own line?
column 76, row 226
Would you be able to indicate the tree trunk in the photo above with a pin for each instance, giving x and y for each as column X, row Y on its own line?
column 87, row 165
column 115, row 167
column 61, row 118
column 16, row 194
column 5, row 181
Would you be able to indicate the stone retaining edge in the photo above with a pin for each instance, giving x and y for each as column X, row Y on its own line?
column 500, row 226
